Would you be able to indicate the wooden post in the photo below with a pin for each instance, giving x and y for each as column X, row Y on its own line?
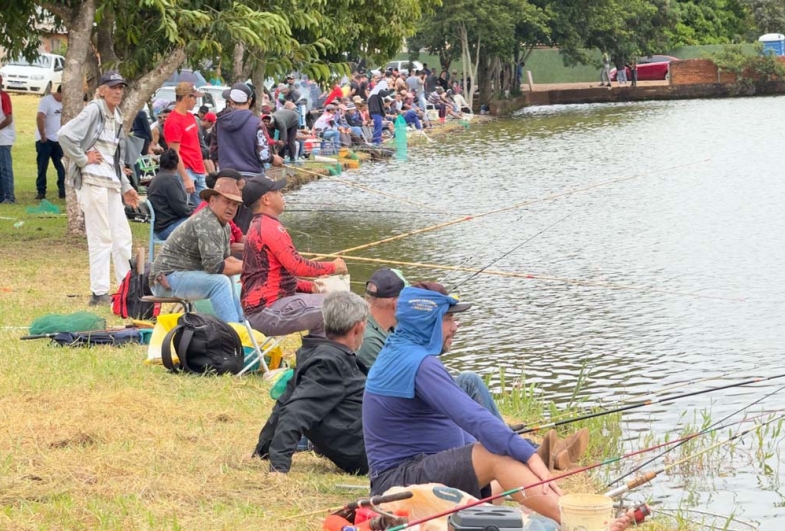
column 531, row 81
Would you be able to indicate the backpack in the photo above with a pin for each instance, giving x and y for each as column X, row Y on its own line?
column 127, row 301
column 203, row 343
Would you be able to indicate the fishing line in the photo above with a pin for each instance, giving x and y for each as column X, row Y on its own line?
column 508, row 253
column 649, row 401
column 639, row 467
column 505, row 209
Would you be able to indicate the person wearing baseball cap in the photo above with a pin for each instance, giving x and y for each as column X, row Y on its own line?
column 94, row 146
column 240, row 136
column 181, row 132
column 276, row 302
column 195, row 261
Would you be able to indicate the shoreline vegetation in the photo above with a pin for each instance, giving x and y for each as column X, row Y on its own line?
column 97, row 439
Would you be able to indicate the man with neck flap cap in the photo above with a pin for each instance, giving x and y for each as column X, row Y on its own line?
column 420, row 427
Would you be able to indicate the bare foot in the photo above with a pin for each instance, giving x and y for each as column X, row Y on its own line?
column 620, row 524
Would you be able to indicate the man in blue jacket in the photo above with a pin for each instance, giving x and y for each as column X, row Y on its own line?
column 420, row 427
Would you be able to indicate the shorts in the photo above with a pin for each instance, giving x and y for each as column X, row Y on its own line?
column 452, row 468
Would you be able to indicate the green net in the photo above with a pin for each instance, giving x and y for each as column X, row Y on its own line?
column 45, row 207
column 280, row 384
column 75, row 322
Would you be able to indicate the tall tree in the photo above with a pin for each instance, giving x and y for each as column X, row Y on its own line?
column 768, row 15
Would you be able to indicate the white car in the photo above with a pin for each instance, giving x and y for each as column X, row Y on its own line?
column 167, row 93
column 40, row 76
column 402, row 66
column 216, row 91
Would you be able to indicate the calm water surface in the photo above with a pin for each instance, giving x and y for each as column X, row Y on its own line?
column 704, row 218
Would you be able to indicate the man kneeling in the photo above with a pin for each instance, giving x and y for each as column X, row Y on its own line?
column 323, row 400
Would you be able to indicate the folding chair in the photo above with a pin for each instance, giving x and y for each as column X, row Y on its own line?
column 147, row 167
column 153, row 238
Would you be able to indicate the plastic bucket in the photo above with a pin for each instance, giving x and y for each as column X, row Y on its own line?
column 585, row 512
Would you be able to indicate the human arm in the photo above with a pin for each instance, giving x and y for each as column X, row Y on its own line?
column 40, row 120
column 319, row 388
column 173, row 134
column 5, row 104
column 280, row 244
column 213, row 250
column 232, row 266
column 187, row 181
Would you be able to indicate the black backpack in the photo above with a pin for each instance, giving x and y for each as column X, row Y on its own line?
column 203, row 344
column 127, row 301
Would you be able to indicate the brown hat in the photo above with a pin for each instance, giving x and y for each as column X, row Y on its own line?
column 184, row 89
column 225, row 186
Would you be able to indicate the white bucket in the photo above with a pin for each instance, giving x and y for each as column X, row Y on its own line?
column 585, row 512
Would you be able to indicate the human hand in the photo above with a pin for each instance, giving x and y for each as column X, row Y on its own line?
column 340, row 266
column 537, row 466
column 189, row 185
column 94, row 157
column 279, row 143
column 131, row 198
column 127, row 171
column 277, row 161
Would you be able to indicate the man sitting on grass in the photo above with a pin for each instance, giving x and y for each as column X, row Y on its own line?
column 324, row 397
column 420, row 427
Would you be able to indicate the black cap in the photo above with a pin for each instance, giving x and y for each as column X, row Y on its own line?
column 112, row 78
column 384, row 284
column 259, row 185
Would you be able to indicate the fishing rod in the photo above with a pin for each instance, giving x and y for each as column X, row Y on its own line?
column 650, row 461
column 649, row 401
column 369, row 189
column 507, row 208
column 358, row 504
column 355, row 211
column 649, row 476
column 505, row 255
column 530, row 276
column 581, row 470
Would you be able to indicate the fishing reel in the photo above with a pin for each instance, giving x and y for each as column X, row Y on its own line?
column 365, row 515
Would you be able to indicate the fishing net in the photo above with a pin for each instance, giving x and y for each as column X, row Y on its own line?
column 76, row 322
column 44, row 208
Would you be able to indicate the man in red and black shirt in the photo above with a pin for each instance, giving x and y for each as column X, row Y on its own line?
column 274, row 300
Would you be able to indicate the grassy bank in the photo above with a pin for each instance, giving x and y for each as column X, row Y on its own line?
column 96, row 439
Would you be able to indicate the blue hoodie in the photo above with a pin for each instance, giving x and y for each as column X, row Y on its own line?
column 412, row 405
column 242, row 144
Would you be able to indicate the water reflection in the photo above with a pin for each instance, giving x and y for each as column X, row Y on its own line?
column 712, row 225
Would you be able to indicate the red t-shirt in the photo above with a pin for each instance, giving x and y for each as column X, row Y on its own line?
column 336, row 94
column 182, row 128
column 271, row 265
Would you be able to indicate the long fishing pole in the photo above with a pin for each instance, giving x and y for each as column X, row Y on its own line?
column 508, row 253
column 650, row 461
column 649, row 401
column 369, row 189
column 649, row 476
column 581, row 470
column 510, row 207
column 530, row 276
column 355, row 211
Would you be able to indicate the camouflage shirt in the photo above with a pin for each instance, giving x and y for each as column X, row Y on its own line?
column 199, row 244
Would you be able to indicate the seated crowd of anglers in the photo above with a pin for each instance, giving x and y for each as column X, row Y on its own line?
column 369, row 390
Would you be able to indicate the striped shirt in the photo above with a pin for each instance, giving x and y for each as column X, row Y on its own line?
column 103, row 174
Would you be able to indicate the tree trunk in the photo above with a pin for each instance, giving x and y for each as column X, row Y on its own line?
column 257, row 78
column 140, row 91
column 237, row 63
column 104, row 41
column 485, row 80
column 80, row 29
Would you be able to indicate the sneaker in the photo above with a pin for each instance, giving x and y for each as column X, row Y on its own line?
column 8, row 202
column 40, row 196
column 61, row 194
column 100, row 300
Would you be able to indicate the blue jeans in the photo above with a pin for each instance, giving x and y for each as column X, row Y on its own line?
column 421, row 101
column 475, row 387
column 412, row 118
column 197, row 285
column 331, row 135
column 46, row 150
column 169, row 229
column 377, row 128
column 6, row 174
column 199, row 185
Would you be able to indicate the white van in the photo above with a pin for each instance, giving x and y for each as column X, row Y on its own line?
column 40, row 76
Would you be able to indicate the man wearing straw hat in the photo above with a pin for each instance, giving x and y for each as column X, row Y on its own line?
column 195, row 262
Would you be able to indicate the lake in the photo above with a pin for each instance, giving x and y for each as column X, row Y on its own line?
column 672, row 273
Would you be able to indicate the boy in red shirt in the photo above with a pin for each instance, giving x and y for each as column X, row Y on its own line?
column 182, row 135
column 274, row 300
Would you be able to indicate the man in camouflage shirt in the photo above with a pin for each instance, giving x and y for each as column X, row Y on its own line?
column 195, row 262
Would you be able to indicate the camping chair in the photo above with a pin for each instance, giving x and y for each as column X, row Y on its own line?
column 153, row 238
column 147, row 168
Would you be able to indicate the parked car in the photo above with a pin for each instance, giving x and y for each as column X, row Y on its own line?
column 41, row 76
column 651, row 68
column 216, row 91
column 402, row 66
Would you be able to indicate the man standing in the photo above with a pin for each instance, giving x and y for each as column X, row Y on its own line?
column 195, row 262
column 275, row 301
column 323, row 400
column 46, row 145
column 243, row 143
column 182, row 135
column 7, row 137
column 94, row 144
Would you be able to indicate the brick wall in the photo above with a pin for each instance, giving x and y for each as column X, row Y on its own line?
column 700, row 71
